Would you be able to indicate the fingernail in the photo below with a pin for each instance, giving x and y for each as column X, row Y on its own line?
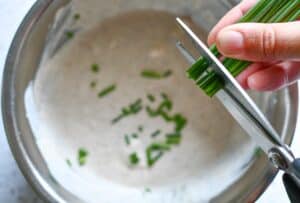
column 230, row 42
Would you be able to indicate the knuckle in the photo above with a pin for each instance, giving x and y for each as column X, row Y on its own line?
column 268, row 42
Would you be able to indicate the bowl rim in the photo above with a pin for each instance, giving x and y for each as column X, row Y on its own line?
column 32, row 175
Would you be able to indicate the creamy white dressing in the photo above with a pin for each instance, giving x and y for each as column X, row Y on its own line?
column 69, row 115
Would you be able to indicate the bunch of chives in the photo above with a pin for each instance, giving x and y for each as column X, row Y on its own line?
column 265, row 11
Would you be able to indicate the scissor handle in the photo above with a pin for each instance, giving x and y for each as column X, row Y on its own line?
column 291, row 186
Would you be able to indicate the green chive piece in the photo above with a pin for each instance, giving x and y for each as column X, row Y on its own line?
column 155, row 151
column 140, row 128
column 127, row 140
column 180, row 122
column 69, row 163
column 152, row 159
column 155, row 133
column 258, row 152
column 151, row 112
column 162, row 110
column 173, row 139
column 107, row 90
column 152, row 74
column 166, row 74
column 151, row 98
column 147, row 189
column 95, row 68
column 166, row 116
column 93, row 84
column 131, row 109
column 76, row 16
column 69, row 34
column 134, row 159
column 135, row 136
column 82, row 156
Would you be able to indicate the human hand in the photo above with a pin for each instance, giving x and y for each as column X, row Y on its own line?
column 274, row 49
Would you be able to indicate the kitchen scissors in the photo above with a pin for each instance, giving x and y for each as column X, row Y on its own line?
column 244, row 110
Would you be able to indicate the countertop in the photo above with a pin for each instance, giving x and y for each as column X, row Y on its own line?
column 13, row 186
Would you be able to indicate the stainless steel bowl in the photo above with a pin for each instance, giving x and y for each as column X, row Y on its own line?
column 21, row 65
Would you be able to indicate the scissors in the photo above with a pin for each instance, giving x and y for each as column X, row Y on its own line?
column 244, row 110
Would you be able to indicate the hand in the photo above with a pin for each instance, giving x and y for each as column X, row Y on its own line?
column 274, row 49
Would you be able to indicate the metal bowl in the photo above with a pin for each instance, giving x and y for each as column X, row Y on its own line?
column 21, row 65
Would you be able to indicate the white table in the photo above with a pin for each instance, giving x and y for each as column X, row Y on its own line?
column 13, row 187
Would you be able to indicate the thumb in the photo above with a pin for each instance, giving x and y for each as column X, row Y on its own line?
column 260, row 42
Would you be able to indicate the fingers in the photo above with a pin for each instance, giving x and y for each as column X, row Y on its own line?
column 231, row 17
column 274, row 77
column 253, row 68
column 260, row 42
column 243, row 77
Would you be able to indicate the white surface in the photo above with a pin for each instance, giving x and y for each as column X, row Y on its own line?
column 13, row 187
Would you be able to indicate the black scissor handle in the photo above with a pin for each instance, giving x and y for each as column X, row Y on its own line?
column 291, row 187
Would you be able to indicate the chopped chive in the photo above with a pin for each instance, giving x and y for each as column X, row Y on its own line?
column 69, row 34
column 165, row 116
column 155, row 151
column 82, row 156
column 166, row 103
column 180, row 122
column 173, row 139
column 134, row 159
column 151, row 98
column 134, row 135
column 107, row 90
column 69, row 163
column 162, row 110
column 151, row 160
column 76, row 16
column 147, row 189
column 167, row 73
column 258, row 152
column 155, row 133
column 152, row 74
column 127, row 140
column 132, row 109
column 95, row 68
column 93, row 84
column 140, row 128
column 164, row 96
column 151, row 112
column 160, row 146
column 158, row 112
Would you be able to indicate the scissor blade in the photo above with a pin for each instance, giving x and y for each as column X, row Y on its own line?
column 246, row 121
column 236, row 100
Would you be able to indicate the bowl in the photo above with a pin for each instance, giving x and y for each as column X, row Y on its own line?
column 43, row 24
